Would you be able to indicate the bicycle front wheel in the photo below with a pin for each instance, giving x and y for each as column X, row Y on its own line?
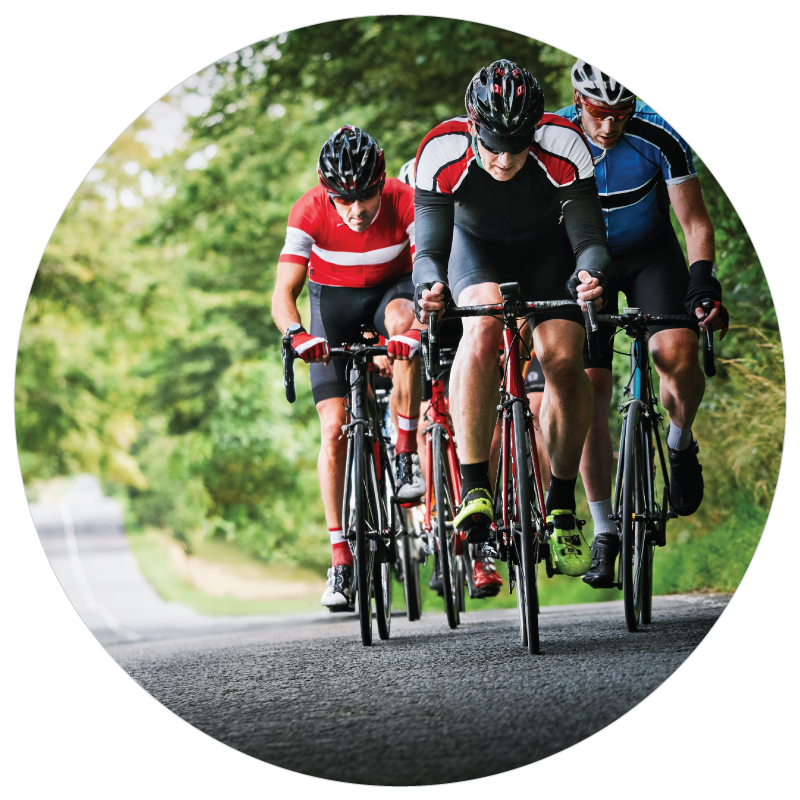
column 526, row 527
column 633, row 557
column 443, row 509
column 361, row 518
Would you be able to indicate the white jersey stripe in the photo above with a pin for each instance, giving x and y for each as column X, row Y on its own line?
column 298, row 243
column 344, row 258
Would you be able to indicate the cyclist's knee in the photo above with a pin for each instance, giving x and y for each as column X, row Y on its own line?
column 562, row 368
column 482, row 339
column 399, row 316
column 331, row 418
column 675, row 356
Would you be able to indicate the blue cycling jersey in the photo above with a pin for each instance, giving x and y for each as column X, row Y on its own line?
column 632, row 177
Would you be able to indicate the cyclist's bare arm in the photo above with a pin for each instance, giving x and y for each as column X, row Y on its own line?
column 691, row 211
column 288, row 285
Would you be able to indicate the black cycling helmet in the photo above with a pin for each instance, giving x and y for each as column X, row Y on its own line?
column 506, row 103
column 350, row 162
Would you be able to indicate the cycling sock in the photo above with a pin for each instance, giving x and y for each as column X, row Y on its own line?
column 600, row 512
column 678, row 438
column 474, row 476
column 407, row 434
column 341, row 550
column 561, row 494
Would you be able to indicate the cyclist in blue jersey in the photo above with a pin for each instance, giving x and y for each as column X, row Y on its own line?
column 642, row 167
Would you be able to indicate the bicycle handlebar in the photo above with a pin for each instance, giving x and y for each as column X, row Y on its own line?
column 622, row 320
column 288, row 356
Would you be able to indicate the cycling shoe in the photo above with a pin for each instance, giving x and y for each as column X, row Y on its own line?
column 685, row 480
column 569, row 550
column 604, row 555
column 410, row 487
column 338, row 594
column 476, row 515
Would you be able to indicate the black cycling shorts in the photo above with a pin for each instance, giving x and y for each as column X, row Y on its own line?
column 541, row 267
column 337, row 314
column 655, row 279
column 534, row 377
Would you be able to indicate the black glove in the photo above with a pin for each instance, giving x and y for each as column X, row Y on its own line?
column 420, row 287
column 574, row 282
column 724, row 316
column 703, row 285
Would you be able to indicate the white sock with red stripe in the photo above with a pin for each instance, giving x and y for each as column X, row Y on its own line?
column 407, row 435
column 341, row 550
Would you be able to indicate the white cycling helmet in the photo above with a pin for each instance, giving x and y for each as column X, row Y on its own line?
column 407, row 173
column 596, row 85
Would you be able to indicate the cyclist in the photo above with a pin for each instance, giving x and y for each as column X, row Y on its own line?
column 352, row 235
column 642, row 166
column 485, row 578
column 507, row 193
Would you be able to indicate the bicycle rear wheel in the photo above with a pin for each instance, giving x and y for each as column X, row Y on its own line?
column 525, row 522
column 443, row 508
column 360, row 521
column 632, row 555
column 411, row 585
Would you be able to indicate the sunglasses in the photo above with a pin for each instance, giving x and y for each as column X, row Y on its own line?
column 500, row 152
column 370, row 194
column 602, row 114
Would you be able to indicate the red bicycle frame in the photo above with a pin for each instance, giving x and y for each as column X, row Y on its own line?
column 438, row 413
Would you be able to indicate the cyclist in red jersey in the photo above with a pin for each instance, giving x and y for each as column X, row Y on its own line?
column 353, row 237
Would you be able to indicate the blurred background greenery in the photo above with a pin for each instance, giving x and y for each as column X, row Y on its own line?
column 148, row 356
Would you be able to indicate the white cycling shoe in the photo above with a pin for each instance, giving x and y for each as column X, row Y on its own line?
column 338, row 594
column 410, row 483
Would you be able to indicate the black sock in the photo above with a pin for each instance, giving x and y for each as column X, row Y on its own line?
column 561, row 494
column 475, row 476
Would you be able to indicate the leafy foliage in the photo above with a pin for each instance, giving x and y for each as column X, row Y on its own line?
column 148, row 355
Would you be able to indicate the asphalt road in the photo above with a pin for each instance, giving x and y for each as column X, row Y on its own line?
column 430, row 705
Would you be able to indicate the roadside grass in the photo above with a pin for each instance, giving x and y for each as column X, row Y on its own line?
column 150, row 547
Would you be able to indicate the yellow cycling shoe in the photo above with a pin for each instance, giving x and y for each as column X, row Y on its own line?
column 476, row 515
column 569, row 550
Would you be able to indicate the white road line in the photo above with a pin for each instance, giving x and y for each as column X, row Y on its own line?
column 80, row 576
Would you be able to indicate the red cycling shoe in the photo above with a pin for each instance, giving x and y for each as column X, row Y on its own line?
column 487, row 581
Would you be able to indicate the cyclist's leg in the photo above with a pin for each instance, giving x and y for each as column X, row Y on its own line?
column 394, row 316
column 335, row 316
column 534, row 389
column 661, row 289
column 475, row 271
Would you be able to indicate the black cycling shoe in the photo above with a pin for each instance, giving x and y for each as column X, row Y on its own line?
column 685, row 480
column 436, row 582
column 605, row 548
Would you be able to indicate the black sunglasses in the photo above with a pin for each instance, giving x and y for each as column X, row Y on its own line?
column 500, row 152
column 370, row 194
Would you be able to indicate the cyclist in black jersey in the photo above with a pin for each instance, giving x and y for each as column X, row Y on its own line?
column 507, row 193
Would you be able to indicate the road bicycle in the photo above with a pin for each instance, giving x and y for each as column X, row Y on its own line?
column 371, row 518
column 641, row 520
column 520, row 532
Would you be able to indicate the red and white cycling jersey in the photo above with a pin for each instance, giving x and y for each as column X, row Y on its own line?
column 446, row 155
column 335, row 255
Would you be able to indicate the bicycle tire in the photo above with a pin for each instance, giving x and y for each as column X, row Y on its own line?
column 363, row 553
column 647, row 599
column 461, row 582
column 382, row 561
column 443, row 507
column 633, row 532
column 411, row 583
column 520, row 586
column 522, row 493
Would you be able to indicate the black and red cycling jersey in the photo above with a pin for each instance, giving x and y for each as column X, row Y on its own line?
column 317, row 237
column 556, row 184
